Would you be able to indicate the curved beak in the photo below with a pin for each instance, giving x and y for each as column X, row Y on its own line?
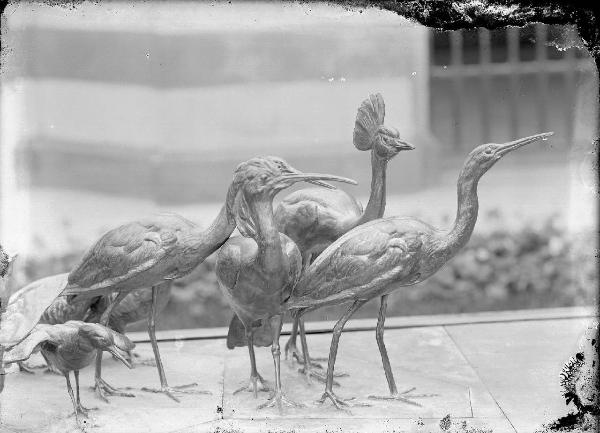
column 402, row 145
column 512, row 145
column 121, row 355
column 317, row 179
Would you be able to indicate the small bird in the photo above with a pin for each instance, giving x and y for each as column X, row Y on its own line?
column 146, row 253
column 378, row 257
column 70, row 347
column 60, row 311
column 315, row 217
column 257, row 270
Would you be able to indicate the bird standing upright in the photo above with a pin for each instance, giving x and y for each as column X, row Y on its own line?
column 70, row 347
column 146, row 253
column 380, row 256
column 256, row 271
column 315, row 217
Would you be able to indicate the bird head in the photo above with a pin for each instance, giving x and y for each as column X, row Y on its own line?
column 271, row 174
column 483, row 157
column 371, row 134
column 102, row 338
column 387, row 143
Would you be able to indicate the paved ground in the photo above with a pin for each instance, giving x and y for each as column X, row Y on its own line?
column 502, row 376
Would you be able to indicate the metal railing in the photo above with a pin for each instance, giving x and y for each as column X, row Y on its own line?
column 546, row 59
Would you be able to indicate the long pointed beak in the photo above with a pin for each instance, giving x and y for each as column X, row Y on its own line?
column 317, row 179
column 512, row 145
column 120, row 355
column 403, row 145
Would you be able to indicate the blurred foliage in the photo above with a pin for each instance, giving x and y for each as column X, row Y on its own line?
column 505, row 268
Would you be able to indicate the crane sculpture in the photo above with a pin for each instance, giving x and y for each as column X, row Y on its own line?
column 380, row 256
column 144, row 254
column 315, row 217
column 70, row 347
column 256, row 271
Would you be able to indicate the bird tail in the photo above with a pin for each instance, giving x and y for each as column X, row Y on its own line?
column 236, row 337
column 262, row 333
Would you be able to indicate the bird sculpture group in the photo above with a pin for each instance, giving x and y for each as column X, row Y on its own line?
column 318, row 247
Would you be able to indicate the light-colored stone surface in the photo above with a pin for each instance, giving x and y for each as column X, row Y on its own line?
column 499, row 376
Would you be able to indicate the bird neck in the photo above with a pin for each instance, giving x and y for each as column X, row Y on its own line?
column 266, row 236
column 466, row 214
column 376, row 205
column 205, row 242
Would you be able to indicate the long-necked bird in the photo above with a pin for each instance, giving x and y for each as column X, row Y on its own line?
column 256, row 271
column 383, row 255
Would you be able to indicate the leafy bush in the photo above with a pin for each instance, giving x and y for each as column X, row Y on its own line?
column 506, row 268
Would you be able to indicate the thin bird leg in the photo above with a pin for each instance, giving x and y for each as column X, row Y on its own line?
column 164, row 386
column 308, row 370
column 80, row 408
column 337, row 332
column 102, row 387
column 255, row 377
column 278, row 397
column 404, row 396
column 70, row 389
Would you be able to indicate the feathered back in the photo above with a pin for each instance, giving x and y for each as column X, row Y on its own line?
column 369, row 118
column 26, row 307
column 25, row 348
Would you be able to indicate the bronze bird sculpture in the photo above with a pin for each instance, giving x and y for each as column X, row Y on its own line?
column 382, row 255
column 60, row 311
column 146, row 253
column 70, row 347
column 315, row 217
column 256, row 271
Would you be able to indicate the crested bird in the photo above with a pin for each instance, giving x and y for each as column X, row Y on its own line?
column 146, row 253
column 257, row 270
column 315, row 217
column 380, row 256
column 70, row 347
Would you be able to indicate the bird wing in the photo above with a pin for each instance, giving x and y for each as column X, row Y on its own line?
column 368, row 257
column 25, row 348
column 368, row 119
column 123, row 253
column 26, row 307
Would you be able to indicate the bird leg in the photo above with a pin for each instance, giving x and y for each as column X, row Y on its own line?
column 278, row 398
column 80, row 408
column 404, row 396
column 80, row 423
column 164, row 386
column 101, row 387
column 338, row 402
column 255, row 377
column 308, row 369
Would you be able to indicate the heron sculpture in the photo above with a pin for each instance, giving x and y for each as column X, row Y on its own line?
column 256, row 271
column 145, row 254
column 380, row 256
column 315, row 217
column 70, row 347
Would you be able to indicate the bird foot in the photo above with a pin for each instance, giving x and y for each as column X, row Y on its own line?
column 148, row 362
column 404, row 397
column 338, row 402
column 84, row 410
column 50, row 370
column 279, row 399
column 296, row 355
column 254, row 387
column 309, row 373
column 170, row 391
column 102, row 389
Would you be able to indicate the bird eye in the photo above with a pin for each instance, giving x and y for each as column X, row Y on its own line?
column 489, row 151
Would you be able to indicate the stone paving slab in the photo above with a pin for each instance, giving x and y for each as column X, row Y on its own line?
column 500, row 376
